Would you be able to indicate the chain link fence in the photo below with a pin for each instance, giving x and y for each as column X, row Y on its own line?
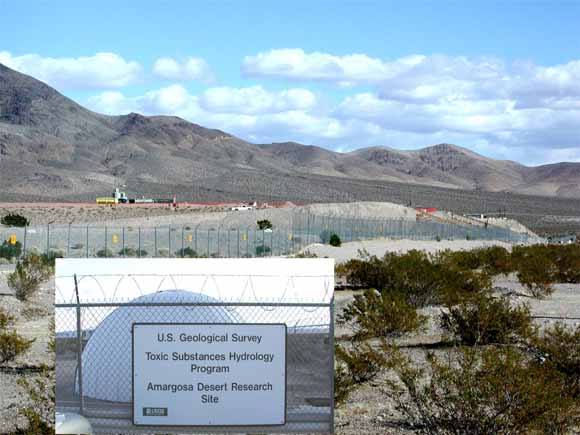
column 94, row 356
column 230, row 242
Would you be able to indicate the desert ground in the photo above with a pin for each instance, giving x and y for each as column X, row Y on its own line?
column 32, row 322
column 381, row 246
column 365, row 412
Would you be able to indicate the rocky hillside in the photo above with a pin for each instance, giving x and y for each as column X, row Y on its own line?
column 53, row 148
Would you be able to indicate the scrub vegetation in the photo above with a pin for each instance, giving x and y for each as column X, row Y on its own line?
column 476, row 379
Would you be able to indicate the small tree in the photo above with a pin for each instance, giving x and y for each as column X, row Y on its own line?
column 9, row 250
column 14, row 220
column 264, row 224
column 105, row 253
column 335, row 240
column 187, row 252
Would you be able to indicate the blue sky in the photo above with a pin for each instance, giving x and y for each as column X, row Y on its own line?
column 501, row 78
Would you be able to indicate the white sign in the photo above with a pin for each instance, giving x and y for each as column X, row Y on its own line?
column 209, row 374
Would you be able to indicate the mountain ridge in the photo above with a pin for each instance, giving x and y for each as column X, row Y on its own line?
column 53, row 146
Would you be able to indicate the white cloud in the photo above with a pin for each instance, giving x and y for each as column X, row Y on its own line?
column 519, row 110
column 294, row 63
column 103, row 70
column 191, row 68
column 255, row 100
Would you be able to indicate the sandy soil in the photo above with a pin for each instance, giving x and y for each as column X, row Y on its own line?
column 135, row 215
column 379, row 247
column 32, row 322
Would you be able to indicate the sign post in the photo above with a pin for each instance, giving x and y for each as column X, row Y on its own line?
column 209, row 374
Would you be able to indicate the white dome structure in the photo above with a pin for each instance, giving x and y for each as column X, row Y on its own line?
column 106, row 359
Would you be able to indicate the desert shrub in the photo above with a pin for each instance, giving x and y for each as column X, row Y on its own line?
column 12, row 345
column 362, row 362
column 457, row 285
column 127, row 252
column 105, row 253
column 493, row 260
column 535, row 269
column 262, row 251
column 131, row 252
column 5, row 319
column 187, row 252
column 366, row 271
column 343, row 384
column 420, row 278
column 567, row 260
column 28, row 274
column 14, row 220
column 478, row 391
column 163, row 252
column 485, row 319
column 264, row 224
column 47, row 261
column 39, row 414
column 8, row 250
column 31, row 313
column 335, row 240
column 375, row 314
column 559, row 348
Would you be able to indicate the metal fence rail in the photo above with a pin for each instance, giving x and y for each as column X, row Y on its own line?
column 215, row 241
column 93, row 376
column 94, row 350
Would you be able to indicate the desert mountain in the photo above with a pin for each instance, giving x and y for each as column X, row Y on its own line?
column 53, row 148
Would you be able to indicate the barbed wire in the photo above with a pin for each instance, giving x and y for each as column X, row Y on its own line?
column 249, row 293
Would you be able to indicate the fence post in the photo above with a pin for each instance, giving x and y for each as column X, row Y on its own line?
column 155, row 237
column 79, row 348
column 169, row 242
column 87, row 244
column 238, row 242
column 308, row 230
column 182, row 235
column 24, row 241
column 106, row 242
column 123, row 246
column 68, row 241
column 218, row 241
column 47, row 239
column 331, row 368
column 139, row 241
